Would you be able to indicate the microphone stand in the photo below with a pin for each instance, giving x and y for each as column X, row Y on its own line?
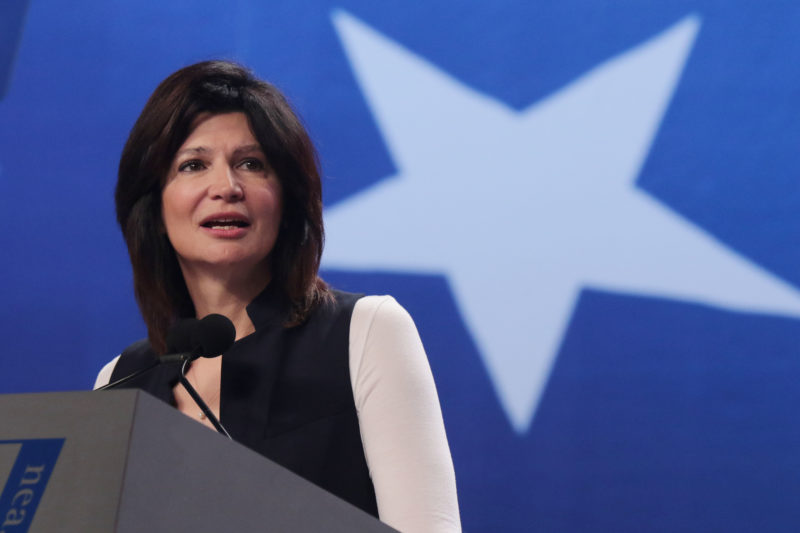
column 164, row 359
column 199, row 401
column 186, row 359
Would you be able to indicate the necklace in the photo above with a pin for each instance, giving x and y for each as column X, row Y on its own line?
column 201, row 414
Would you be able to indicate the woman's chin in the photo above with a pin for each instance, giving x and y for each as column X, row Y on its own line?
column 227, row 265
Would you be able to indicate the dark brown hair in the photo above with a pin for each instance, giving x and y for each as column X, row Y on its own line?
column 164, row 124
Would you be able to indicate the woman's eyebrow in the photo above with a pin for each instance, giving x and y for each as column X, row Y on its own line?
column 192, row 150
column 247, row 149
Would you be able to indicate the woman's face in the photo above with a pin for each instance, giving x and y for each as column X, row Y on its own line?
column 221, row 204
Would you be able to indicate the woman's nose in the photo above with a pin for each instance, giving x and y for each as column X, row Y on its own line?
column 226, row 185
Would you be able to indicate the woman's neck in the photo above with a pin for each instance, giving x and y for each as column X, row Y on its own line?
column 225, row 295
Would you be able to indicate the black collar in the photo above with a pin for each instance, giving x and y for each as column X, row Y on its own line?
column 269, row 308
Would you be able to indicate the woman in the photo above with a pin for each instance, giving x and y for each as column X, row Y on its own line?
column 219, row 201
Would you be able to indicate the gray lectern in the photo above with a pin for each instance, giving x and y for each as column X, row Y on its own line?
column 123, row 461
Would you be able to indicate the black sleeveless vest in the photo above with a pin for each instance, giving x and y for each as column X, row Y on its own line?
column 285, row 393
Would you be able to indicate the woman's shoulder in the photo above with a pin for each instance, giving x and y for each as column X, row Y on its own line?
column 382, row 309
column 364, row 311
column 365, row 303
column 104, row 376
column 383, row 335
column 137, row 355
column 342, row 299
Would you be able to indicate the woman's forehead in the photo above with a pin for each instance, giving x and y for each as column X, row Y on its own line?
column 210, row 130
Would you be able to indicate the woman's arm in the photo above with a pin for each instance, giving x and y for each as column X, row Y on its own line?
column 400, row 419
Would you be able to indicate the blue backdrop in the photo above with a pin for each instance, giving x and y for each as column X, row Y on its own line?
column 591, row 209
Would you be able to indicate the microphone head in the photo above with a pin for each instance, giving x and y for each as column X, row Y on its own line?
column 213, row 336
column 179, row 337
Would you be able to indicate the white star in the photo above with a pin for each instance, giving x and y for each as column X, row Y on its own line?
column 522, row 210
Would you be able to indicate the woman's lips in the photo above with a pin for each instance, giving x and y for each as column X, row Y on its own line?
column 226, row 225
column 230, row 218
column 228, row 232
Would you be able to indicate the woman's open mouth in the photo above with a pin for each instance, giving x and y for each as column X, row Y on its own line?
column 226, row 224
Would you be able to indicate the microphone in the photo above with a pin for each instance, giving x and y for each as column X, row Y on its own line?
column 187, row 340
column 209, row 337
column 179, row 337
column 214, row 336
column 190, row 339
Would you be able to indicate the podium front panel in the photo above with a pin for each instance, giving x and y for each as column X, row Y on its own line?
column 124, row 461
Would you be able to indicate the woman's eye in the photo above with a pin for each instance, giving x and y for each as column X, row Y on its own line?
column 192, row 165
column 252, row 164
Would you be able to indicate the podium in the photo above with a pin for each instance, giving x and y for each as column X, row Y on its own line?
column 124, row 461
